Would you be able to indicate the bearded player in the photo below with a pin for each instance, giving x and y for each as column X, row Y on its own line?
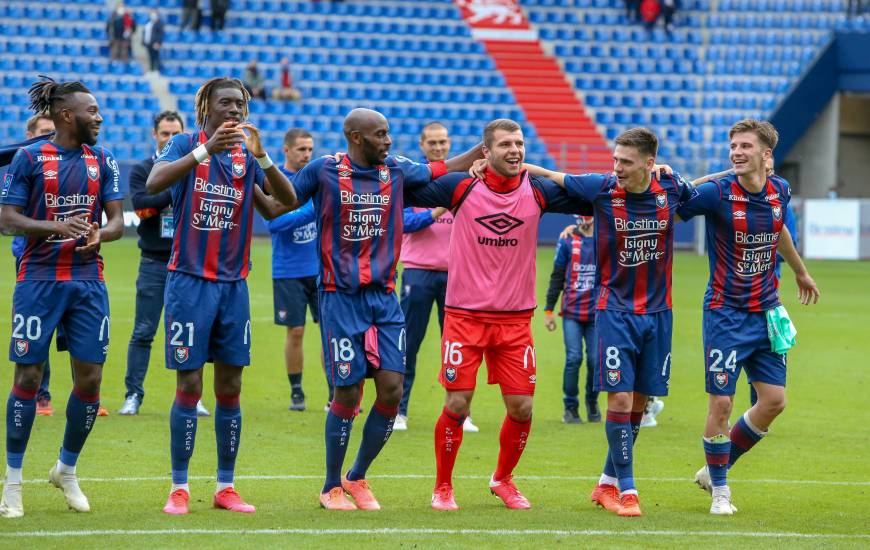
column 491, row 299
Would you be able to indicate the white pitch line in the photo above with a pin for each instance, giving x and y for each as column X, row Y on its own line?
column 431, row 476
column 428, row 531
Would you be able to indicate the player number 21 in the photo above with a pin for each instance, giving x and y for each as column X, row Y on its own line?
column 177, row 330
column 730, row 363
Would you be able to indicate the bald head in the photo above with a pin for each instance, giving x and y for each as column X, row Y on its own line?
column 368, row 137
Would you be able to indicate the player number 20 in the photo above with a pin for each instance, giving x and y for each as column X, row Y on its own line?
column 177, row 330
column 33, row 325
column 452, row 353
column 342, row 349
column 730, row 362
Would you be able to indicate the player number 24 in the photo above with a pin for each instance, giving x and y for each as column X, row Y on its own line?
column 730, row 363
column 33, row 325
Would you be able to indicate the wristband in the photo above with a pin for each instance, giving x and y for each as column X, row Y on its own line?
column 265, row 162
column 200, row 154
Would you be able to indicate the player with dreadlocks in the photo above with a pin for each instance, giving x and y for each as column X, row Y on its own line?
column 54, row 194
column 207, row 316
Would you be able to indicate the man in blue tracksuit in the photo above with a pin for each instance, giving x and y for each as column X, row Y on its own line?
column 295, row 264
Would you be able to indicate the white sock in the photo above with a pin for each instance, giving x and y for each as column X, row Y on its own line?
column 629, row 492
column 722, row 491
column 177, row 486
column 65, row 468
column 607, row 480
column 222, row 486
column 13, row 475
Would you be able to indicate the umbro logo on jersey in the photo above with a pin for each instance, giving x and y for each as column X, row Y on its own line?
column 777, row 212
column 500, row 223
column 617, row 202
column 50, row 174
column 345, row 173
column 739, row 214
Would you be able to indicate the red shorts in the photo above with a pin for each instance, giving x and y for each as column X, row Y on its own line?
column 508, row 348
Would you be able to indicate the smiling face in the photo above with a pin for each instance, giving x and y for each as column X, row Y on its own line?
column 225, row 105
column 748, row 154
column 81, row 115
column 435, row 144
column 506, row 152
column 630, row 166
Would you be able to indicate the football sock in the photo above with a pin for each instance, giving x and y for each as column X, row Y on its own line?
column 295, row 382
column 717, row 449
column 339, row 422
column 20, row 412
column 81, row 412
column 744, row 436
column 609, row 469
column 512, row 441
column 618, row 430
column 228, row 433
column 448, row 438
column 376, row 432
column 182, row 435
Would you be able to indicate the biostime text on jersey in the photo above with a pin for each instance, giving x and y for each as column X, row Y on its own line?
column 641, row 244
column 363, row 214
column 756, row 252
column 217, row 207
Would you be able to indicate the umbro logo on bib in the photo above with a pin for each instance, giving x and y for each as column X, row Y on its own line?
column 500, row 223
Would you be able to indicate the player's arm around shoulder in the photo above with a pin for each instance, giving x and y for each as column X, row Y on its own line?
column 553, row 198
column 446, row 191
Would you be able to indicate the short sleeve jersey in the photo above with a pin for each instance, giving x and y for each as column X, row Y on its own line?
column 742, row 233
column 359, row 217
column 213, row 206
column 52, row 183
column 634, row 239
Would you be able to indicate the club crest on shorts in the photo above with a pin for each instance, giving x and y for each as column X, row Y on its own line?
column 662, row 200
column 721, row 380
column 344, row 370
column 239, row 169
column 613, row 377
column 93, row 173
column 21, row 347
column 384, row 175
column 450, row 374
column 777, row 212
column 182, row 353
column 282, row 314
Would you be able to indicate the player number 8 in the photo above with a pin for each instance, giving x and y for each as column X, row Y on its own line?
column 342, row 350
column 611, row 358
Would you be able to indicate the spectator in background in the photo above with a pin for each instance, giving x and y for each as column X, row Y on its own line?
column 152, row 39
column 190, row 14
column 286, row 90
column 120, row 28
column 218, row 14
column 856, row 8
column 254, row 81
column 669, row 7
column 632, row 10
column 649, row 13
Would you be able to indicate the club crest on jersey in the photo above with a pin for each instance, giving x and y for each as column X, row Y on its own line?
column 384, row 175
column 450, row 374
column 777, row 213
column 239, row 169
column 344, row 370
column 721, row 380
column 21, row 347
column 662, row 200
column 613, row 377
column 182, row 353
column 93, row 172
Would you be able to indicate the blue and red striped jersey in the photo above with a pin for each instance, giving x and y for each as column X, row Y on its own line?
column 742, row 237
column 575, row 254
column 213, row 208
column 634, row 235
column 50, row 182
column 359, row 217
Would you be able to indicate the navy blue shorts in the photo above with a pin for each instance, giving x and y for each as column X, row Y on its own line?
column 206, row 320
column 361, row 331
column 79, row 310
column 735, row 340
column 290, row 297
column 634, row 352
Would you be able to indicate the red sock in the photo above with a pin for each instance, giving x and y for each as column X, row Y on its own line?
column 512, row 441
column 448, row 438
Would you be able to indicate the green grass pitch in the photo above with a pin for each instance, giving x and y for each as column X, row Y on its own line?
column 807, row 485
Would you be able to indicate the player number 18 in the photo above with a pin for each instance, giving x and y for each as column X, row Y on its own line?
column 342, row 349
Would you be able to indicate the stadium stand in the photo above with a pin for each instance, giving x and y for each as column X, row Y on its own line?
column 67, row 41
column 690, row 86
